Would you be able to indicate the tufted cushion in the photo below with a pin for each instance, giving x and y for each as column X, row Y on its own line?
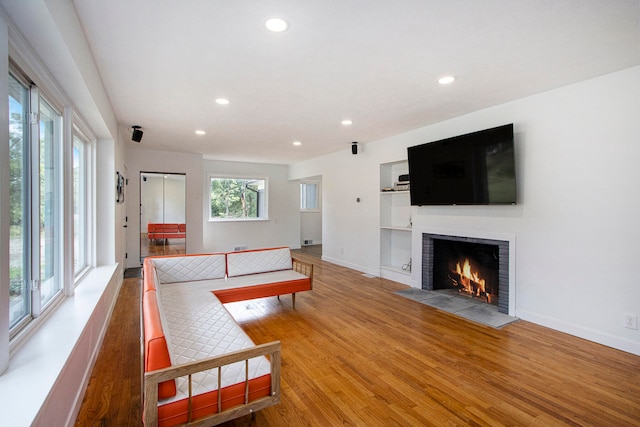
column 199, row 327
column 258, row 261
column 190, row 268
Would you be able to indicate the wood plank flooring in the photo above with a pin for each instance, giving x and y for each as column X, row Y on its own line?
column 161, row 246
column 355, row 354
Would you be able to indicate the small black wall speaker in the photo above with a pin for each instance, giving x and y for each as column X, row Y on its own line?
column 354, row 148
column 137, row 134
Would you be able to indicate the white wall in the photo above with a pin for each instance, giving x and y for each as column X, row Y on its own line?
column 108, row 230
column 350, row 229
column 577, row 155
column 311, row 227
column 151, row 201
column 175, row 200
column 139, row 160
column 281, row 229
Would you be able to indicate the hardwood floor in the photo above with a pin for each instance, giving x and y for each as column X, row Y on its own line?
column 113, row 394
column 161, row 246
column 355, row 354
column 313, row 250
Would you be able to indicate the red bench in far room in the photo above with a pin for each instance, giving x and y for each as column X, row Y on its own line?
column 166, row 231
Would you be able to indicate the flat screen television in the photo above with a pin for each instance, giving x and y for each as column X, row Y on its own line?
column 473, row 169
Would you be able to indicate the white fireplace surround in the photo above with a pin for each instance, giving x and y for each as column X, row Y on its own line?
column 416, row 250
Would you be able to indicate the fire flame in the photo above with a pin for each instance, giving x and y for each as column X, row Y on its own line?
column 466, row 276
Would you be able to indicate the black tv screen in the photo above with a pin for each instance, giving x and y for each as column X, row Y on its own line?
column 473, row 169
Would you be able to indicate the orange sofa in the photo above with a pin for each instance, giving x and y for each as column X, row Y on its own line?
column 187, row 332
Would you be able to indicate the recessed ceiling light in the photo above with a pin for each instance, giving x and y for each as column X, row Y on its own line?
column 200, row 132
column 445, row 80
column 297, row 143
column 277, row 25
column 222, row 101
column 347, row 122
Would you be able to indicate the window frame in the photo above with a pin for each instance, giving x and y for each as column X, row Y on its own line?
column 303, row 207
column 64, row 127
column 41, row 214
column 265, row 204
column 85, row 192
column 26, row 198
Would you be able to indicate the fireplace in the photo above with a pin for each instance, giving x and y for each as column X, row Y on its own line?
column 474, row 267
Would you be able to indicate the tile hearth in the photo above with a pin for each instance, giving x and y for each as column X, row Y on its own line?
column 465, row 307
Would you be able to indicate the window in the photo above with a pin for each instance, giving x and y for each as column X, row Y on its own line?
column 49, row 203
column 80, row 204
column 35, row 196
column 237, row 198
column 19, row 297
column 309, row 196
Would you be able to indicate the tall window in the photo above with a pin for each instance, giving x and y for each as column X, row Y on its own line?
column 237, row 198
column 309, row 200
column 48, row 222
column 35, row 202
column 19, row 270
column 80, row 204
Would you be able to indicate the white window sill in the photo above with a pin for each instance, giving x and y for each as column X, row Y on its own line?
column 36, row 368
column 237, row 219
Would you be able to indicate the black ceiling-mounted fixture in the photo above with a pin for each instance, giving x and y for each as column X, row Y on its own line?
column 354, row 147
column 137, row 133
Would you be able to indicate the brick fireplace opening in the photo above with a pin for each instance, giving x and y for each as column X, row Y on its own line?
column 474, row 267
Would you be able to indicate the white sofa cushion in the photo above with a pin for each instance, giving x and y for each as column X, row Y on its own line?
column 258, row 261
column 244, row 281
column 190, row 268
column 198, row 327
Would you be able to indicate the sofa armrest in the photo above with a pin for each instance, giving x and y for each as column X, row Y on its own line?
column 152, row 379
column 305, row 268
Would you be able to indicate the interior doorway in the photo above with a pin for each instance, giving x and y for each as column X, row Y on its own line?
column 311, row 215
column 163, row 227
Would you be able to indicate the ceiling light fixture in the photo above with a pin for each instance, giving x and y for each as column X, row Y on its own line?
column 297, row 143
column 445, row 80
column 222, row 101
column 277, row 25
column 347, row 122
column 200, row 132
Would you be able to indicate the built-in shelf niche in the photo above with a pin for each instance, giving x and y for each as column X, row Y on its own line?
column 395, row 225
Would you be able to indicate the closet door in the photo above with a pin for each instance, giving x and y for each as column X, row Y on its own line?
column 163, row 228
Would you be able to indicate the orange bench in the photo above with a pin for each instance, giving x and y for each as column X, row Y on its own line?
column 178, row 293
column 166, row 231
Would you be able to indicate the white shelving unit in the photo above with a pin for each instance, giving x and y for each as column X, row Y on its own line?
column 395, row 225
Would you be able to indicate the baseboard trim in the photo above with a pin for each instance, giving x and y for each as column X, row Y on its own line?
column 356, row 267
column 609, row 340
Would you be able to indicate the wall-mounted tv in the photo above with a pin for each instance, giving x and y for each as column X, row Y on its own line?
column 473, row 169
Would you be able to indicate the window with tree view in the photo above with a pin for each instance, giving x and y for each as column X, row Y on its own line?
column 35, row 203
column 237, row 198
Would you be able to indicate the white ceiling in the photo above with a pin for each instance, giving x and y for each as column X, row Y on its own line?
column 375, row 62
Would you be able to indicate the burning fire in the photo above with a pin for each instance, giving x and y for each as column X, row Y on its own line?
column 471, row 281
